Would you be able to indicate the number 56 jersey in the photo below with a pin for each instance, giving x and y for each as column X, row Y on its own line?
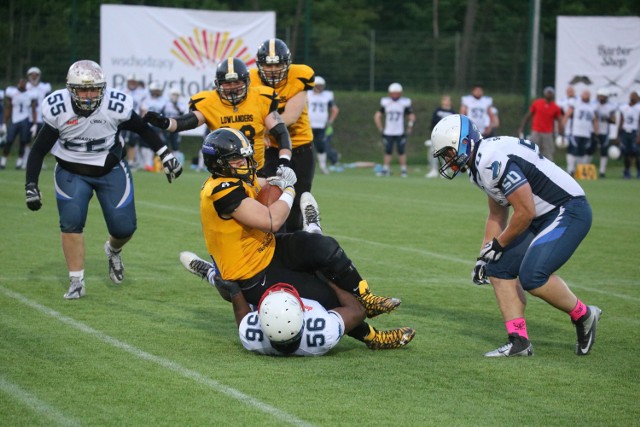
column 322, row 331
column 86, row 140
column 504, row 164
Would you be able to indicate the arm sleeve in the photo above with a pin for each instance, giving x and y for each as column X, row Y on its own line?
column 42, row 145
column 135, row 124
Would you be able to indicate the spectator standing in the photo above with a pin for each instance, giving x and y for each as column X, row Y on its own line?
column 395, row 108
column 445, row 109
column 19, row 113
column 544, row 113
column 322, row 113
column 478, row 107
column 629, row 135
column 606, row 113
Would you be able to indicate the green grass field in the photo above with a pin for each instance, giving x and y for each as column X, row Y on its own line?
column 162, row 348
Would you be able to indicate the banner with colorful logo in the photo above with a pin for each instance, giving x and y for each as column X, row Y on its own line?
column 595, row 52
column 179, row 48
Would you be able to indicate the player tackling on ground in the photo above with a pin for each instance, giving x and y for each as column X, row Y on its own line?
column 550, row 218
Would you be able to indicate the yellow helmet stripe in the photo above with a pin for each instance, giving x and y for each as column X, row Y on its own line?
column 230, row 69
column 272, row 47
column 240, row 136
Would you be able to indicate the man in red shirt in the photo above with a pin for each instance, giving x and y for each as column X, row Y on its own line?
column 545, row 113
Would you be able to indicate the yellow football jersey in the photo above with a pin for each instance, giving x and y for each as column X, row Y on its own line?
column 239, row 252
column 248, row 117
column 300, row 78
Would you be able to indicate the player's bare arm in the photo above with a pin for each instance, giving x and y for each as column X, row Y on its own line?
column 524, row 211
column 293, row 108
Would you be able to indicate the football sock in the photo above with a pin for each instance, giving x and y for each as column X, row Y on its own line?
column 362, row 332
column 79, row 274
column 517, row 326
column 578, row 311
column 114, row 250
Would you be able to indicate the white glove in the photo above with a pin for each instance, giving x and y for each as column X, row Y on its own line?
column 479, row 273
column 34, row 130
column 492, row 251
column 171, row 165
column 285, row 177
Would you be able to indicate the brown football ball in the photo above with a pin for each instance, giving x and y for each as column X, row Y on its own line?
column 269, row 194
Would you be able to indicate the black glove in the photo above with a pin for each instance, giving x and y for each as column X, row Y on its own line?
column 157, row 120
column 172, row 167
column 492, row 251
column 479, row 274
column 227, row 285
column 34, row 198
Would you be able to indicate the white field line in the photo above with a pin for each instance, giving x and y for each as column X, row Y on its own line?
column 36, row 404
column 165, row 363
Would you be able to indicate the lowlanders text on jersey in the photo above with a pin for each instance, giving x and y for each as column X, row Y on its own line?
column 187, row 88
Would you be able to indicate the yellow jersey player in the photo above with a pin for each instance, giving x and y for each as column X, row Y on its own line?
column 234, row 104
column 291, row 82
column 239, row 235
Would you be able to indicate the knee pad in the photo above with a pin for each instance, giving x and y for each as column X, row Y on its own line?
column 532, row 279
column 72, row 219
column 121, row 226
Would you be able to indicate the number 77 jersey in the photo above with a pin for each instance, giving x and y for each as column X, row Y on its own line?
column 504, row 164
column 86, row 140
column 322, row 331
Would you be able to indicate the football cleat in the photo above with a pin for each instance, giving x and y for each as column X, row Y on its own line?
column 196, row 265
column 517, row 346
column 76, row 288
column 393, row 338
column 586, row 330
column 116, row 267
column 374, row 304
column 310, row 213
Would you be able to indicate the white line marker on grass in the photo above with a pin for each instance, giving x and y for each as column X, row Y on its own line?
column 165, row 363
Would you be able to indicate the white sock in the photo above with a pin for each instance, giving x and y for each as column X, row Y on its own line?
column 79, row 274
column 603, row 164
column 571, row 163
column 322, row 160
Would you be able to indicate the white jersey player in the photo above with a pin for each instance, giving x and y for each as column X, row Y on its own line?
column 478, row 107
column 82, row 130
column 322, row 113
column 538, row 215
column 321, row 332
column 20, row 112
column 42, row 89
column 583, row 123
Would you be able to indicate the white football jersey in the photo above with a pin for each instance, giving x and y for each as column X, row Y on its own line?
column 319, row 105
column 138, row 96
column 322, row 331
column 630, row 117
column 603, row 112
column 176, row 109
column 394, row 112
column 86, row 140
column 564, row 105
column 582, row 123
column 20, row 103
column 157, row 105
column 478, row 110
column 504, row 163
column 42, row 89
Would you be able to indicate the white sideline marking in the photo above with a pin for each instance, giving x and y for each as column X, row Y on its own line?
column 36, row 404
column 165, row 363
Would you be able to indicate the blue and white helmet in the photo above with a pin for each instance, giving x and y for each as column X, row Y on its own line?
column 453, row 139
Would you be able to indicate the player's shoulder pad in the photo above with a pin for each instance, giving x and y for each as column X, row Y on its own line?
column 226, row 185
column 304, row 74
column 199, row 97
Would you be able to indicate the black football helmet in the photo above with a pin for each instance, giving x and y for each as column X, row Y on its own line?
column 232, row 70
column 273, row 52
column 224, row 145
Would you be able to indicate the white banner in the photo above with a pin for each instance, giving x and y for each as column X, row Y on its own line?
column 177, row 47
column 598, row 52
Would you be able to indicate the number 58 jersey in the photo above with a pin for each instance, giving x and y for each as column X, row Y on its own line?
column 504, row 164
column 86, row 140
column 322, row 331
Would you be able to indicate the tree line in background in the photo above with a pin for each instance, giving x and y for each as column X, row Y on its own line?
column 430, row 46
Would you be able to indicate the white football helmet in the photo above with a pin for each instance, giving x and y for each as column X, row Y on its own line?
column 86, row 76
column 155, row 88
column 281, row 315
column 453, row 139
column 33, row 74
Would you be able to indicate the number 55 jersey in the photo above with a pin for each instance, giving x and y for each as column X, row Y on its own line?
column 86, row 140
column 322, row 331
column 503, row 164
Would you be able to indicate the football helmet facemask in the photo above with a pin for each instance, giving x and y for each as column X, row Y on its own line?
column 281, row 314
column 232, row 70
column 273, row 52
column 453, row 139
column 86, row 76
column 224, row 145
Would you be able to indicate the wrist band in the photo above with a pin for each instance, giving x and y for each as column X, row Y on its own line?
column 287, row 196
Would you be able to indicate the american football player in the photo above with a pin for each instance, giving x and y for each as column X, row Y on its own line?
column 82, row 128
column 19, row 113
column 239, row 234
column 583, row 123
column 606, row 112
column 291, row 82
column 234, row 104
column 43, row 89
column 551, row 216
